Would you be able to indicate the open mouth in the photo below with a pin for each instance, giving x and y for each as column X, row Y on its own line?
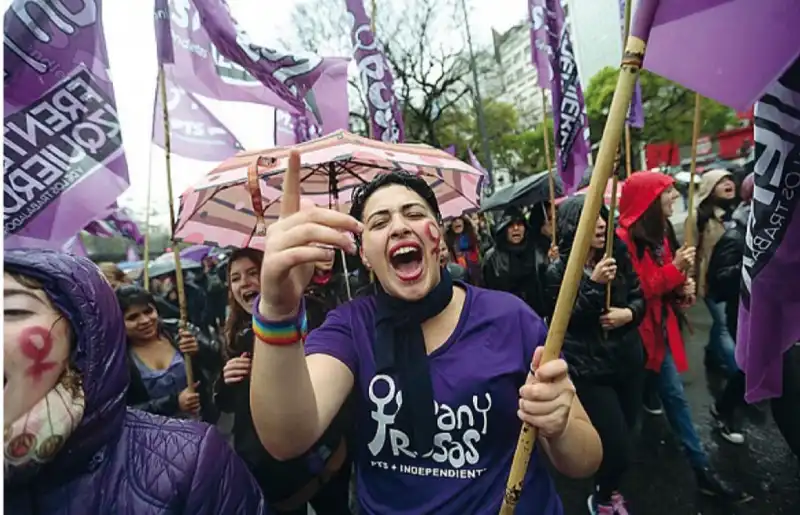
column 249, row 296
column 406, row 259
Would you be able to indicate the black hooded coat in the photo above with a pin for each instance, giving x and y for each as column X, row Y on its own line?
column 590, row 351
column 518, row 269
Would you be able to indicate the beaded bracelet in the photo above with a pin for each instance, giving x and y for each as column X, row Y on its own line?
column 283, row 333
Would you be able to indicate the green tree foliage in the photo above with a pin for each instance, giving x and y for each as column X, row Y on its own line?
column 459, row 127
column 668, row 109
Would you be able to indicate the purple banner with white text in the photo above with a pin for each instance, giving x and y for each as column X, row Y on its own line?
column 194, row 131
column 63, row 155
column 385, row 116
column 212, row 57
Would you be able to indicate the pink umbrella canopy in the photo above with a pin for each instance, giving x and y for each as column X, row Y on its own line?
column 606, row 194
column 223, row 208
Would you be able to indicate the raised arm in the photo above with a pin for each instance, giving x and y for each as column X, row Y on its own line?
column 293, row 398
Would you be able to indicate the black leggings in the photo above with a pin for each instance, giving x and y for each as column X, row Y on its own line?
column 613, row 406
column 786, row 408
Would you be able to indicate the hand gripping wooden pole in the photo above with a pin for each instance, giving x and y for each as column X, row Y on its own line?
column 187, row 361
column 631, row 63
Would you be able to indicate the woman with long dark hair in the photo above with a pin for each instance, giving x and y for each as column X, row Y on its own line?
column 438, row 368
column 603, row 348
column 645, row 205
column 319, row 477
column 462, row 238
column 156, row 352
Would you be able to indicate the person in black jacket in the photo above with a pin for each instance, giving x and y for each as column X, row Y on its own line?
column 518, row 260
column 321, row 477
column 724, row 279
column 603, row 347
column 157, row 349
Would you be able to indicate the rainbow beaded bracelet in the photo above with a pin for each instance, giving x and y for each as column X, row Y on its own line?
column 283, row 333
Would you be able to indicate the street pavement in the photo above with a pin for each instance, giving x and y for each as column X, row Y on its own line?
column 661, row 481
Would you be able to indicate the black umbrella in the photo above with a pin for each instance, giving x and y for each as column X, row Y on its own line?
column 527, row 192
column 167, row 266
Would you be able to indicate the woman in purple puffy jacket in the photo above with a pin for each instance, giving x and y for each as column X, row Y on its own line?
column 70, row 443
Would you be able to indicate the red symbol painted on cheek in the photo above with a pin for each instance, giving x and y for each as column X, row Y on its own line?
column 36, row 344
column 432, row 231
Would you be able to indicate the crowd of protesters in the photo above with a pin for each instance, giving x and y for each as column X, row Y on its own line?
column 445, row 322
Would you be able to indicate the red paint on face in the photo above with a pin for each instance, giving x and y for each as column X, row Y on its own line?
column 432, row 232
column 36, row 344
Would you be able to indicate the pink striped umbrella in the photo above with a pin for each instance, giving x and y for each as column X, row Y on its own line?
column 242, row 195
column 606, row 194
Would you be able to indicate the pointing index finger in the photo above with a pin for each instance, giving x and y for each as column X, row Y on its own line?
column 290, row 203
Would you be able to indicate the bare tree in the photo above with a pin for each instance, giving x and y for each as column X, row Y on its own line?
column 423, row 45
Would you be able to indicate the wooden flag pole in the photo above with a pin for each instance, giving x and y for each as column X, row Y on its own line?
column 187, row 360
column 688, row 226
column 146, row 257
column 551, row 175
column 626, row 29
column 612, row 134
column 628, row 164
column 372, row 24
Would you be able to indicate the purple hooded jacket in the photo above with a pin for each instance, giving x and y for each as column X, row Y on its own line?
column 119, row 460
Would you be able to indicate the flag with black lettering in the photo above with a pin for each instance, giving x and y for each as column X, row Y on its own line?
column 63, row 157
column 769, row 312
column 553, row 56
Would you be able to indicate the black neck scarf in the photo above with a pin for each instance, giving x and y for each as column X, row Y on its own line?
column 399, row 346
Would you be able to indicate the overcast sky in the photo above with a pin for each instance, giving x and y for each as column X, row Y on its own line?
column 131, row 46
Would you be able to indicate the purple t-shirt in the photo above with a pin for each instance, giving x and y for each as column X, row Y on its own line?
column 476, row 377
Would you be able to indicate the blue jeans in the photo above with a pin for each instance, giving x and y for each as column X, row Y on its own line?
column 670, row 389
column 720, row 342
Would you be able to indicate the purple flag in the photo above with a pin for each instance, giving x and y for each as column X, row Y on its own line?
column 542, row 40
column 194, row 131
column 100, row 228
column 214, row 58
column 451, row 150
column 125, row 226
column 486, row 180
column 769, row 312
column 63, row 154
column 285, row 123
column 635, row 110
column 727, row 50
column 551, row 39
column 164, row 48
column 385, row 115
column 132, row 254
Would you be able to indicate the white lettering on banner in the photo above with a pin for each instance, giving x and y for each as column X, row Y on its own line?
column 777, row 181
column 52, row 15
column 48, row 147
column 455, row 446
column 372, row 70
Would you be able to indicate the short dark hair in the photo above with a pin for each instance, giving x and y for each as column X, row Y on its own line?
column 130, row 296
column 363, row 192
